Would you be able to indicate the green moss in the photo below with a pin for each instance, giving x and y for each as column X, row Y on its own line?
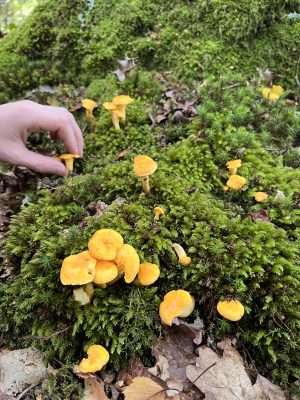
column 256, row 261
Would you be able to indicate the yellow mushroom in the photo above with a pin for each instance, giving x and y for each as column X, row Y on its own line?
column 68, row 159
column 128, row 262
column 106, row 272
column 98, row 357
column 158, row 212
column 176, row 303
column 104, row 244
column 89, row 106
column 144, row 166
column 183, row 259
column 233, row 166
column 78, row 269
column 235, row 182
column 260, row 197
column 84, row 294
column 148, row 274
column 273, row 93
column 117, row 107
column 233, row 310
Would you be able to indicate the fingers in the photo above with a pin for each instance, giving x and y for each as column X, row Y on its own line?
column 40, row 163
column 59, row 121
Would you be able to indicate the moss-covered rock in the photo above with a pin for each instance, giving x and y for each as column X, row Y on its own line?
column 238, row 247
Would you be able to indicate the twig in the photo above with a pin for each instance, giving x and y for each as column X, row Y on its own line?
column 46, row 337
column 21, row 395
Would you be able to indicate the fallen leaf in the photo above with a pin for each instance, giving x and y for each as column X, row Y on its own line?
column 261, row 215
column 195, row 330
column 123, row 153
column 266, row 390
column 144, row 389
column 94, row 389
column 125, row 66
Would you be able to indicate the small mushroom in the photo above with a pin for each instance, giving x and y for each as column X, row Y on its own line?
column 144, row 166
column 233, row 310
column 148, row 274
column 104, row 244
column 106, row 272
column 117, row 107
column 84, row 294
column 98, row 357
column 235, row 182
column 272, row 93
column 183, row 259
column 176, row 303
column 158, row 212
column 233, row 166
column 68, row 159
column 128, row 262
column 78, row 269
column 89, row 106
column 260, row 197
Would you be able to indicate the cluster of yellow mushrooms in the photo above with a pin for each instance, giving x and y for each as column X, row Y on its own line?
column 109, row 259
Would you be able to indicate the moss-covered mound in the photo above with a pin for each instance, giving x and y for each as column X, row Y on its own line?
column 238, row 247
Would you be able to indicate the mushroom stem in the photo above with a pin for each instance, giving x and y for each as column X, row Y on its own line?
column 182, row 257
column 115, row 121
column 232, row 171
column 69, row 165
column 146, row 184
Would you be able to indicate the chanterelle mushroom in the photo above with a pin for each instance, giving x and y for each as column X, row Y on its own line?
column 272, row 93
column 128, row 262
column 68, row 159
column 183, row 259
column 104, row 244
column 117, row 107
column 233, row 166
column 158, row 212
column 106, row 271
column 176, row 303
column 98, row 357
column 232, row 310
column 236, row 182
column 260, row 197
column 89, row 106
column 144, row 166
column 148, row 274
column 78, row 269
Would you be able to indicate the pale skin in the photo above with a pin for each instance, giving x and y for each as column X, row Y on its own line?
column 19, row 119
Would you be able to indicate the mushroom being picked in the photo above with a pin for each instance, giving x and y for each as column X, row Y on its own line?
column 233, row 310
column 117, row 107
column 148, row 274
column 233, row 166
column 68, row 159
column 104, row 244
column 158, row 212
column 144, row 166
column 128, row 262
column 106, row 272
column 78, row 269
column 176, row 303
column 89, row 106
column 260, row 197
column 183, row 259
column 98, row 357
column 235, row 182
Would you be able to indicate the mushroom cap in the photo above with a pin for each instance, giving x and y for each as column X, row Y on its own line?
column 98, row 357
column 159, row 211
column 106, row 271
column 128, row 262
column 233, row 310
column 122, row 100
column 78, row 269
column 232, row 164
column 272, row 93
column 104, row 244
column 108, row 105
column 68, row 156
column 236, row 182
column 148, row 274
column 144, row 166
column 261, row 196
column 88, row 104
column 176, row 303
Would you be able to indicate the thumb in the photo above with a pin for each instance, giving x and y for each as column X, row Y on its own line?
column 40, row 163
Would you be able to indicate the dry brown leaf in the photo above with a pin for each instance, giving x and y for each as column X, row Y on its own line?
column 143, row 388
column 94, row 389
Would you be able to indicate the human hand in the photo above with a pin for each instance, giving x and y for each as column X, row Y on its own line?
column 19, row 119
